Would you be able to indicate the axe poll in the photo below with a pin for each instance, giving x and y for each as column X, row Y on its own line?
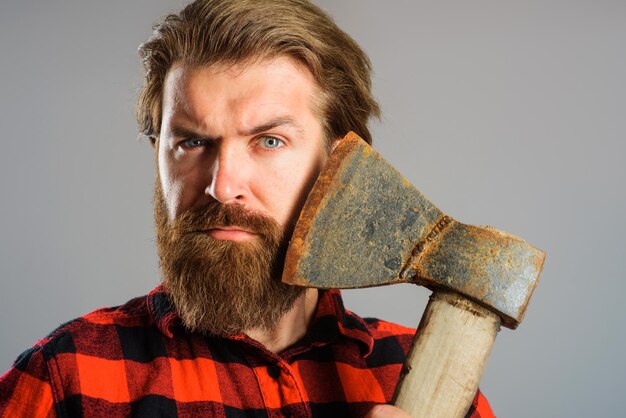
column 364, row 225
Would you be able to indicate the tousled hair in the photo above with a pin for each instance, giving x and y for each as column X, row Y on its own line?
column 208, row 32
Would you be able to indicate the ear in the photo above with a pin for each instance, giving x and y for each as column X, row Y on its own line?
column 334, row 144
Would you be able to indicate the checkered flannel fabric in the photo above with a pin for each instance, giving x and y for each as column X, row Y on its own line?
column 137, row 360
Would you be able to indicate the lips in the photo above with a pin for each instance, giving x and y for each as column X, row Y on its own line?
column 231, row 233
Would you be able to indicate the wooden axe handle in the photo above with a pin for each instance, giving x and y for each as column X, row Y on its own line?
column 449, row 353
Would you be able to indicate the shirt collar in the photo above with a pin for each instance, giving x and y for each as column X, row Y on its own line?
column 162, row 311
column 331, row 319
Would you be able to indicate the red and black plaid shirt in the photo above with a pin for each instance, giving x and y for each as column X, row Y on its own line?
column 138, row 360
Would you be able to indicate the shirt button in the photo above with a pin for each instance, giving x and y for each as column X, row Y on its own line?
column 274, row 371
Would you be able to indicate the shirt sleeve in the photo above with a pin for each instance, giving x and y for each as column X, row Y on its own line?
column 25, row 389
column 480, row 407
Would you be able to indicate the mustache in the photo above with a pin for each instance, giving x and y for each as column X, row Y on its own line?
column 218, row 215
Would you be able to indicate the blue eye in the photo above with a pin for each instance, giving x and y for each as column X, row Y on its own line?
column 271, row 142
column 193, row 143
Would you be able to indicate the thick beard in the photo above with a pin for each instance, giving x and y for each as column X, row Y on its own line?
column 217, row 286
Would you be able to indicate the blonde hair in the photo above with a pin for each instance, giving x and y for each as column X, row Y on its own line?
column 232, row 31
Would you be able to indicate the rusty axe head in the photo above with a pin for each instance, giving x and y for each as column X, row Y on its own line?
column 364, row 224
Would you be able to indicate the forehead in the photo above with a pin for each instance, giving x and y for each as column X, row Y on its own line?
column 269, row 84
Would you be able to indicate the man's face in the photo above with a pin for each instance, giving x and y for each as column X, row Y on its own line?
column 239, row 150
column 244, row 135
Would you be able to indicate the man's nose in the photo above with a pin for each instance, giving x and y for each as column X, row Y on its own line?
column 228, row 177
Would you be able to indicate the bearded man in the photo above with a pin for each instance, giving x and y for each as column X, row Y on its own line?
column 243, row 102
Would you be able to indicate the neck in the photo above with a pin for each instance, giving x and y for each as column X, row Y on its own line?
column 290, row 327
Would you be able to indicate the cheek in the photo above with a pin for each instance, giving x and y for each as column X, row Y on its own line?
column 171, row 194
column 173, row 188
column 290, row 188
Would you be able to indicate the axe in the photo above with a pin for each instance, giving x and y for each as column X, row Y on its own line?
column 363, row 224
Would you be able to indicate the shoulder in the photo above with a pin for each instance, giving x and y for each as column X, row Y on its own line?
column 90, row 334
column 54, row 361
column 91, row 331
column 394, row 341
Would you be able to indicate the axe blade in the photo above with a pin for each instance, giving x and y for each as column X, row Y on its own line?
column 359, row 223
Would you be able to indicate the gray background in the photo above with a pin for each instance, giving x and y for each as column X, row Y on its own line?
column 503, row 113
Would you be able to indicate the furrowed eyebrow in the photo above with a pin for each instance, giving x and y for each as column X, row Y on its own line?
column 180, row 132
column 280, row 121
